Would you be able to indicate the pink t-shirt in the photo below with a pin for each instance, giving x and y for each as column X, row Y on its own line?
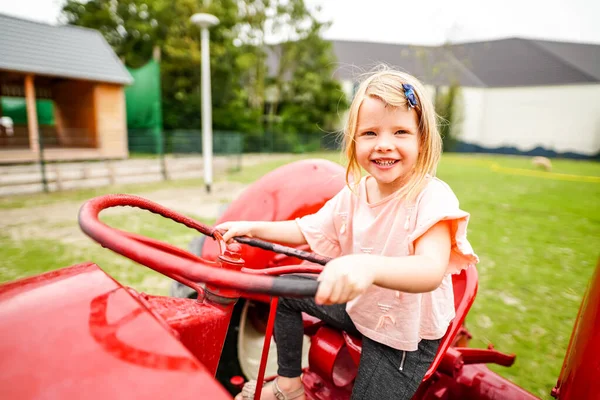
column 348, row 224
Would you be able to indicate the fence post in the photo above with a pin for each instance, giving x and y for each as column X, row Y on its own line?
column 42, row 161
column 161, row 155
column 239, row 150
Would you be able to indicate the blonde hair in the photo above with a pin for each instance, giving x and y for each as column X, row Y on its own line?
column 386, row 84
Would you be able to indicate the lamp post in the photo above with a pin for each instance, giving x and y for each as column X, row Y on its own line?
column 205, row 21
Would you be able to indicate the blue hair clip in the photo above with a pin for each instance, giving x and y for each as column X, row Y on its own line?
column 409, row 93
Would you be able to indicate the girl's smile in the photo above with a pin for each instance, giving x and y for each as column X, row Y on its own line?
column 384, row 163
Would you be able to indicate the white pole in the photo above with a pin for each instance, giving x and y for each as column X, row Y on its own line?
column 205, row 21
column 207, row 150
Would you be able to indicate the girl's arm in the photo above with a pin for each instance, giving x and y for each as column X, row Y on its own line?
column 346, row 277
column 275, row 231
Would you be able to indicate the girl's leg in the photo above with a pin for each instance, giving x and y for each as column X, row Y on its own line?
column 289, row 330
column 288, row 334
column 387, row 373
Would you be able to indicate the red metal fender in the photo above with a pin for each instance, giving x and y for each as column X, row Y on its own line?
column 330, row 357
column 580, row 374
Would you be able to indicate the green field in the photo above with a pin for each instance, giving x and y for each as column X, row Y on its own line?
column 537, row 235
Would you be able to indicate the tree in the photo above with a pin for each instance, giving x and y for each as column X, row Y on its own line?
column 181, row 70
column 448, row 107
column 131, row 27
column 134, row 27
column 239, row 54
column 306, row 97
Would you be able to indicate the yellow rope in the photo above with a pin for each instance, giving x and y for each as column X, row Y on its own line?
column 543, row 174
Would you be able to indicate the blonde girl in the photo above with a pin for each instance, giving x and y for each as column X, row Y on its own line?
column 396, row 235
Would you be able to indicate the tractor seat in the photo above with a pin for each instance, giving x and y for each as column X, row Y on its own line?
column 465, row 289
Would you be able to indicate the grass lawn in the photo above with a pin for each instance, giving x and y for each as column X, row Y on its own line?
column 538, row 241
column 537, row 235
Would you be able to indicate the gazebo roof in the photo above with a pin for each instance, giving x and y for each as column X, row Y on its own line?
column 58, row 51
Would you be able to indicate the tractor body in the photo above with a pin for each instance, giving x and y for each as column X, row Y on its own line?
column 77, row 333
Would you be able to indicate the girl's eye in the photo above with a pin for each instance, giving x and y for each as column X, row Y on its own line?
column 401, row 132
column 369, row 133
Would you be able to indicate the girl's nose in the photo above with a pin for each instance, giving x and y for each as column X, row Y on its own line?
column 383, row 144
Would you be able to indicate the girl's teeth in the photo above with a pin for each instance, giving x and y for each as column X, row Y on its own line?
column 384, row 163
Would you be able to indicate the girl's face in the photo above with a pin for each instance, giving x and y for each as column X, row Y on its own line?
column 386, row 143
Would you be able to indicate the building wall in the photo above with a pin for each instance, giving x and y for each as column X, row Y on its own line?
column 74, row 113
column 111, row 120
column 563, row 119
column 472, row 115
column 556, row 118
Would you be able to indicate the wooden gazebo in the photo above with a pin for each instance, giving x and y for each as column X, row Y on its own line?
column 76, row 71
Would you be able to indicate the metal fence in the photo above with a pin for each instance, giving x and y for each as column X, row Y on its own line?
column 186, row 141
column 76, row 158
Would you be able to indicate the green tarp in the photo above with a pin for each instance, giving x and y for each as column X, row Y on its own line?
column 144, row 109
column 15, row 108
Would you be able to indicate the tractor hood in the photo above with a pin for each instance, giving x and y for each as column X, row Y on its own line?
column 76, row 333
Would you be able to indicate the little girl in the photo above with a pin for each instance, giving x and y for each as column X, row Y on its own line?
column 397, row 235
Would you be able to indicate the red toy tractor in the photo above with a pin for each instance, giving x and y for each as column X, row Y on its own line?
column 75, row 332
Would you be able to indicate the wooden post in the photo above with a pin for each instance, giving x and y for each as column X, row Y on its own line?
column 32, row 122
column 165, row 167
column 111, row 172
column 59, row 181
column 156, row 53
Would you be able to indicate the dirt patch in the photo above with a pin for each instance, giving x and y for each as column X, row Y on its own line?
column 196, row 201
column 59, row 221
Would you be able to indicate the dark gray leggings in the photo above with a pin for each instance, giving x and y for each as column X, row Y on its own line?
column 384, row 372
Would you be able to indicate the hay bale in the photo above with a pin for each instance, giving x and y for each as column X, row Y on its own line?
column 542, row 162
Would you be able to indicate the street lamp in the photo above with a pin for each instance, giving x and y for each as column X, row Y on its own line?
column 205, row 21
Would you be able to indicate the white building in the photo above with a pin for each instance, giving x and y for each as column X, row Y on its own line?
column 519, row 96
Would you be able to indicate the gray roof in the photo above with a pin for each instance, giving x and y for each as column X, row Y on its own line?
column 61, row 51
column 496, row 63
column 584, row 57
column 430, row 64
column 522, row 62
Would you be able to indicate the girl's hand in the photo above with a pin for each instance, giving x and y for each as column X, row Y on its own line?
column 343, row 279
column 235, row 228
